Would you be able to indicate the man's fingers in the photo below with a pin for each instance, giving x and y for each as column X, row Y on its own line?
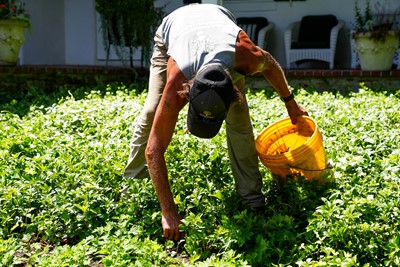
column 166, row 233
column 171, row 229
column 174, row 235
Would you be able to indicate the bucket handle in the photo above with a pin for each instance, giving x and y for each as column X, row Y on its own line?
column 329, row 165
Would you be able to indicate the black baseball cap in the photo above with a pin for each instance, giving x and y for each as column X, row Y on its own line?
column 209, row 100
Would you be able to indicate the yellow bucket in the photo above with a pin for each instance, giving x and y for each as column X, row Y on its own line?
column 293, row 150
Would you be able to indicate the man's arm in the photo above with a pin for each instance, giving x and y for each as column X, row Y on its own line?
column 273, row 73
column 251, row 59
column 159, row 139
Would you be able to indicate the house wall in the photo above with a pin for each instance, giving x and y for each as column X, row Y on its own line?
column 80, row 32
column 67, row 31
column 46, row 43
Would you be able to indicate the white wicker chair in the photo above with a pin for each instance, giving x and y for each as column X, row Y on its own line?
column 313, row 51
column 257, row 28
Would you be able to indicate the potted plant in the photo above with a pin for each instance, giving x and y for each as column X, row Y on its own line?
column 376, row 37
column 14, row 19
column 127, row 25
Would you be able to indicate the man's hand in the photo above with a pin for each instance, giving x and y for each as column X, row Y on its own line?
column 170, row 224
column 295, row 110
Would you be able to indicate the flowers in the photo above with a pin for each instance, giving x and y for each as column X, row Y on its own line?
column 377, row 24
column 13, row 9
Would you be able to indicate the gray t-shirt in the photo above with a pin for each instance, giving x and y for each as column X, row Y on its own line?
column 198, row 34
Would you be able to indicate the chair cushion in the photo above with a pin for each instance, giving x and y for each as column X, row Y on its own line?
column 315, row 31
column 252, row 26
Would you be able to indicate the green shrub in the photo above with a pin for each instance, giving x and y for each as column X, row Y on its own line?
column 64, row 201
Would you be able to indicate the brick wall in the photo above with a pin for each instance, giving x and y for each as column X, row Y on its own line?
column 320, row 79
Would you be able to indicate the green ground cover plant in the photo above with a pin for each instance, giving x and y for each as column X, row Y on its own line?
column 63, row 201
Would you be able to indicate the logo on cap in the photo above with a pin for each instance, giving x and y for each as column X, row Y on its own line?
column 206, row 114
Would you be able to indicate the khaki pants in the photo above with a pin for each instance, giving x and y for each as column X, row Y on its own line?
column 240, row 138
